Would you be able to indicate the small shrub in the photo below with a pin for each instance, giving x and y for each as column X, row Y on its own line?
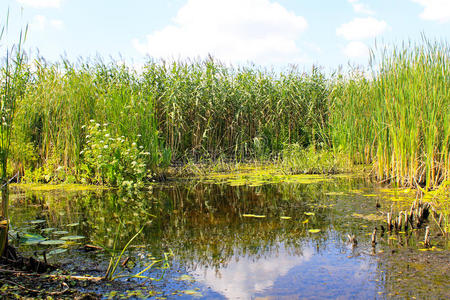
column 112, row 160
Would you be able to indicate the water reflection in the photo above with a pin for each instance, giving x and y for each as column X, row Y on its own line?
column 230, row 255
column 245, row 276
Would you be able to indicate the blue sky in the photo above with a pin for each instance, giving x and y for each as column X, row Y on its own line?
column 329, row 33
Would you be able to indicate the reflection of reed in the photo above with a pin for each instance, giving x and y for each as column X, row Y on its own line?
column 203, row 223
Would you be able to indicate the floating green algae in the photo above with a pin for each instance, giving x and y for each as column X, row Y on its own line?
column 57, row 187
column 255, row 177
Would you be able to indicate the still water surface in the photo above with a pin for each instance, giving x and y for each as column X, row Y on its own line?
column 268, row 241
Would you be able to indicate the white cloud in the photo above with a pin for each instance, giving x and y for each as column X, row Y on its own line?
column 361, row 8
column 57, row 24
column 41, row 3
column 435, row 10
column 356, row 50
column 261, row 31
column 38, row 22
column 41, row 23
column 361, row 28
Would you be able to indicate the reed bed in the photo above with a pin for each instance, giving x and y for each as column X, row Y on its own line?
column 206, row 109
column 175, row 111
column 202, row 110
column 398, row 120
column 59, row 102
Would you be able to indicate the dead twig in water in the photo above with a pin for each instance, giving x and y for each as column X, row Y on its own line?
column 69, row 277
column 66, row 288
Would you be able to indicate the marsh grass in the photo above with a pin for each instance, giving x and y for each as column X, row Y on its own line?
column 399, row 120
column 180, row 111
column 298, row 160
column 204, row 111
column 59, row 102
column 13, row 78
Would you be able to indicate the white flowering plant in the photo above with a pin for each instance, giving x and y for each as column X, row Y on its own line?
column 112, row 160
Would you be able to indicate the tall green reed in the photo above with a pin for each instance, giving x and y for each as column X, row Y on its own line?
column 399, row 119
column 183, row 109
column 13, row 77
column 62, row 98
column 207, row 109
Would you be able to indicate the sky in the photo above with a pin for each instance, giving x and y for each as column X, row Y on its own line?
column 269, row 33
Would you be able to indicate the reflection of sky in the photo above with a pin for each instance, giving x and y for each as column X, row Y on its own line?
column 245, row 276
column 328, row 274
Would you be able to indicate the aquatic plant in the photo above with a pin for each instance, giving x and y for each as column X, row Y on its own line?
column 196, row 110
column 398, row 120
column 206, row 109
column 297, row 160
column 60, row 98
column 13, row 76
column 112, row 160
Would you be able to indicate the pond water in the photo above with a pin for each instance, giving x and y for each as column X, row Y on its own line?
column 235, row 240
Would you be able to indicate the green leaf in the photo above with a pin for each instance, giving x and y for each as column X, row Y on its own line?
column 60, row 232
column 31, row 239
column 192, row 293
column 53, row 242
column 37, row 221
column 73, row 224
column 253, row 216
column 48, row 229
column 57, row 251
column 73, row 237
column 185, row 278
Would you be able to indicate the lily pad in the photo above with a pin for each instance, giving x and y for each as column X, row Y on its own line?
column 253, row 216
column 60, row 232
column 48, row 229
column 193, row 293
column 185, row 277
column 73, row 237
column 335, row 193
column 37, row 221
column 31, row 239
column 57, row 251
column 52, row 242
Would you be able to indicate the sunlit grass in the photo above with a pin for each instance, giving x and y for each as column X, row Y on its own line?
column 399, row 120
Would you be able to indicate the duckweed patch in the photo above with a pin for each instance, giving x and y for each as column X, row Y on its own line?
column 254, row 177
column 36, row 187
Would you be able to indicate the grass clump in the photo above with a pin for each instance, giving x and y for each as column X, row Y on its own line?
column 60, row 99
column 398, row 120
column 297, row 160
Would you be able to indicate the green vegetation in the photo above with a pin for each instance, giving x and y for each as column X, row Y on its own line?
column 56, row 141
column 13, row 78
column 400, row 120
column 204, row 111
column 297, row 160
